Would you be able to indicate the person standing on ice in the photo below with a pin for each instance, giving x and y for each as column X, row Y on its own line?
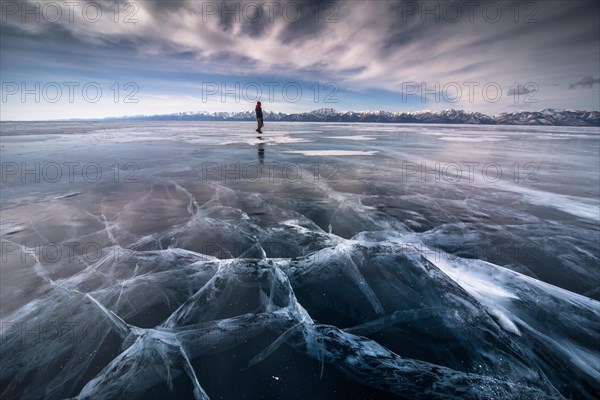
column 259, row 116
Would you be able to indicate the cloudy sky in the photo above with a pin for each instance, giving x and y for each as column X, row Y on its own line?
column 87, row 59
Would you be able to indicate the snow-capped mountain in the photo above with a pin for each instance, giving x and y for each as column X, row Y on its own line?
column 544, row 117
column 550, row 117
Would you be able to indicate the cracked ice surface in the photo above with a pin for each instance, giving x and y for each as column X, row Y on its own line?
column 199, row 280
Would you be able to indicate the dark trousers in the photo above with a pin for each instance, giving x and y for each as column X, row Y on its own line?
column 260, row 123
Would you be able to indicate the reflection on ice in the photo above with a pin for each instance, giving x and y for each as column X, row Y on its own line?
column 335, row 152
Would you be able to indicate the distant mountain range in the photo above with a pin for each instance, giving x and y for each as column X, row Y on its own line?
column 545, row 117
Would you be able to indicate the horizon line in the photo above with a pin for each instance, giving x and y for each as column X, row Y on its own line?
column 209, row 113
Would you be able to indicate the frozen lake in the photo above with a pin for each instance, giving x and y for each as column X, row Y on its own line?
column 347, row 261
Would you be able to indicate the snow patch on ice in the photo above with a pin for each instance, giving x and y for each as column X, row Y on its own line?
column 354, row 137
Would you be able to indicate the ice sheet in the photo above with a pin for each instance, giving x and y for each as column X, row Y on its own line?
column 315, row 262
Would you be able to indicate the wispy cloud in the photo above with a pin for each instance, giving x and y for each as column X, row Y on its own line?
column 531, row 51
column 587, row 82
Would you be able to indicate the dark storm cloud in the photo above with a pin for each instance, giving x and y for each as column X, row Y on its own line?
column 587, row 82
column 226, row 57
column 308, row 19
column 253, row 26
column 187, row 55
column 520, row 90
column 165, row 5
